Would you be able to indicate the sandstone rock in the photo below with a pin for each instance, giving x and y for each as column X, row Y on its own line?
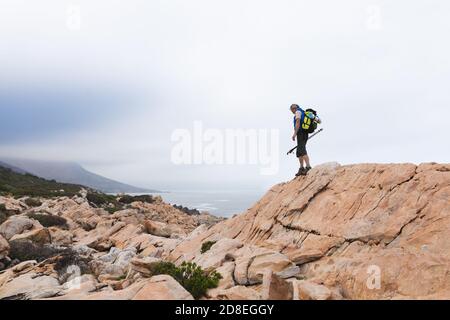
column 311, row 291
column 216, row 256
column 29, row 284
column 226, row 271
column 15, row 225
column 124, row 294
column 144, row 265
column 342, row 223
column 13, row 205
column 39, row 236
column 276, row 262
column 158, row 229
column 60, row 237
column 4, row 247
column 163, row 287
column 276, row 288
column 237, row 293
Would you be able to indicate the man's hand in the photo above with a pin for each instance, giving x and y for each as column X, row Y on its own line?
column 294, row 136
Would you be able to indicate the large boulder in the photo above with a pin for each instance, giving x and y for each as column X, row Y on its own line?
column 276, row 288
column 276, row 262
column 312, row 291
column 4, row 247
column 15, row 225
column 163, row 287
column 217, row 254
column 40, row 236
column 30, row 286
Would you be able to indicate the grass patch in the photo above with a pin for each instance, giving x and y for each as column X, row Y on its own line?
column 190, row 276
column 32, row 202
column 207, row 245
column 49, row 220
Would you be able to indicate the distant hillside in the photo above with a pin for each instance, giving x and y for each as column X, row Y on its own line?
column 73, row 173
column 19, row 184
column 13, row 168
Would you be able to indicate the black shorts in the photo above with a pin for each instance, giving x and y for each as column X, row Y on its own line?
column 302, row 139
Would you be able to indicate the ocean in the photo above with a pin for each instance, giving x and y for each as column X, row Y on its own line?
column 218, row 203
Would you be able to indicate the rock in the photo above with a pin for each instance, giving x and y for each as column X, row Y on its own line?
column 276, row 262
column 39, row 236
column 163, row 287
column 124, row 294
column 60, row 237
column 12, row 205
column 31, row 285
column 4, row 247
column 276, row 288
column 311, row 291
column 216, row 256
column 158, row 229
column 237, row 293
column 344, row 225
column 226, row 271
column 15, row 225
column 144, row 265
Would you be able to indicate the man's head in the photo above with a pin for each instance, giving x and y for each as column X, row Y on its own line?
column 294, row 108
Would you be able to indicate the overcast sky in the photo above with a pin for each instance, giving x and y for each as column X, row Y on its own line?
column 106, row 83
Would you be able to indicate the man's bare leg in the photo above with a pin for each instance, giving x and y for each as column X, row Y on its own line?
column 306, row 159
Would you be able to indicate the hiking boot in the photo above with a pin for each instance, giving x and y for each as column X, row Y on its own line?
column 307, row 169
column 301, row 172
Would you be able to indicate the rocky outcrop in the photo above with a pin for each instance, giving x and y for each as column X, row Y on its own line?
column 370, row 231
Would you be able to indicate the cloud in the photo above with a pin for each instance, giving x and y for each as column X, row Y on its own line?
column 110, row 94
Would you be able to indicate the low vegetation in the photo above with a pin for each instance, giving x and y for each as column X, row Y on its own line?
column 19, row 185
column 207, row 245
column 24, row 250
column 127, row 199
column 3, row 213
column 32, row 202
column 190, row 276
column 49, row 220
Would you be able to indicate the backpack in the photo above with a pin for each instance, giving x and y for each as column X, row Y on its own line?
column 307, row 122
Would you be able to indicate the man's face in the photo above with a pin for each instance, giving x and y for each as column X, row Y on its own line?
column 293, row 109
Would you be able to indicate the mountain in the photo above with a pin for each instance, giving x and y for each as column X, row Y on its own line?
column 19, row 183
column 12, row 168
column 70, row 172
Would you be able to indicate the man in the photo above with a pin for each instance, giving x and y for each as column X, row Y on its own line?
column 302, row 138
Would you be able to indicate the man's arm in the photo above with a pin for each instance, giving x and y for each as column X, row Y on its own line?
column 297, row 127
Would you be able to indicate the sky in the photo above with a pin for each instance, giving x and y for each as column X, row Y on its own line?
column 107, row 83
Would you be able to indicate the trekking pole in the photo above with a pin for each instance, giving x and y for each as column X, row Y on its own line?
column 312, row 136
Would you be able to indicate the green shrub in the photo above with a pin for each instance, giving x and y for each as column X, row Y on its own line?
column 190, row 276
column 24, row 250
column 32, row 202
column 49, row 220
column 3, row 213
column 97, row 199
column 207, row 245
column 127, row 199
